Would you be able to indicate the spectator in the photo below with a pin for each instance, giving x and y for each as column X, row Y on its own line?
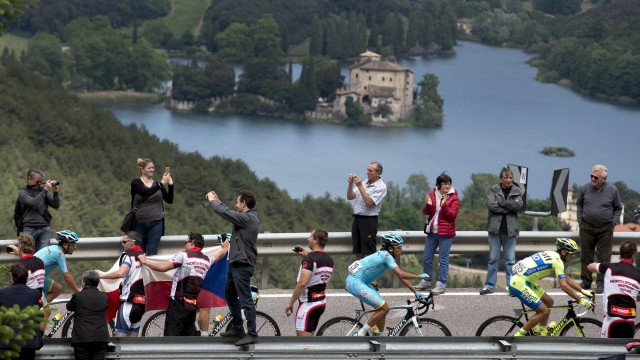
column 34, row 266
column 22, row 295
column 441, row 207
column 204, row 313
column 599, row 210
column 366, row 207
column 132, row 298
column 621, row 289
column 147, row 196
column 90, row 333
column 636, row 215
column 242, row 259
column 35, row 200
column 504, row 200
column 313, row 276
column 191, row 268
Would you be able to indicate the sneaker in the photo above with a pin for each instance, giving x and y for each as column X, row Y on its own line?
column 486, row 291
column 246, row 340
column 439, row 289
column 232, row 333
column 423, row 286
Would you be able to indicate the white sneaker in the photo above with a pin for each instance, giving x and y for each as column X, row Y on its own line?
column 439, row 289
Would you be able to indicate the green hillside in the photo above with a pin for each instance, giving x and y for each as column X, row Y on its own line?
column 94, row 158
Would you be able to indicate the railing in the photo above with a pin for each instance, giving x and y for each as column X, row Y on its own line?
column 278, row 244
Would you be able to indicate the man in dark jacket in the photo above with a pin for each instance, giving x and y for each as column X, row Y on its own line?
column 90, row 332
column 23, row 296
column 504, row 200
column 35, row 199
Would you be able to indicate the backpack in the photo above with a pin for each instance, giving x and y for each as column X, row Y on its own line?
column 18, row 217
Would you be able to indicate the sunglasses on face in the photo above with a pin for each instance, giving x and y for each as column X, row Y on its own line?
column 594, row 178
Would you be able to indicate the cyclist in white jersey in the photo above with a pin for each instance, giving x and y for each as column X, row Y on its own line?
column 367, row 270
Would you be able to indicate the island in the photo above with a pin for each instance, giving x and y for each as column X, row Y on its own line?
column 557, row 151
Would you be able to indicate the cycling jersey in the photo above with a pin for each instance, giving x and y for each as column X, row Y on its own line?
column 320, row 264
column 52, row 256
column 191, row 268
column 370, row 268
column 35, row 268
column 132, row 288
column 539, row 265
column 621, row 288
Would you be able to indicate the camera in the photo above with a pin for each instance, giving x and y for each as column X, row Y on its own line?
column 297, row 249
column 55, row 182
column 9, row 249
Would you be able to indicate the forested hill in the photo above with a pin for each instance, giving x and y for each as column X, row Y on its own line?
column 94, row 158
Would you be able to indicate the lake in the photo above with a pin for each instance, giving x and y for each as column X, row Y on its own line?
column 496, row 113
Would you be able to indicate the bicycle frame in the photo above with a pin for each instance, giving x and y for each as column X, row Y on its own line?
column 569, row 316
column 59, row 324
column 410, row 315
column 227, row 318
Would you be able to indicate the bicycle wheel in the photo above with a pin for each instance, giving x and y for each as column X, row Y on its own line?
column 154, row 326
column 339, row 326
column 265, row 325
column 501, row 325
column 67, row 328
column 590, row 328
column 428, row 327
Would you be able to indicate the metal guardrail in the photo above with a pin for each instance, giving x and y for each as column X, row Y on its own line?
column 466, row 242
column 352, row 347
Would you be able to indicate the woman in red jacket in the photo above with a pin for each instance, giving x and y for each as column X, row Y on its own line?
column 441, row 208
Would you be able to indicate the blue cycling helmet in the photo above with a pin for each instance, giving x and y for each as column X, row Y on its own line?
column 568, row 245
column 391, row 240
column 66, row 237
column 225, row 236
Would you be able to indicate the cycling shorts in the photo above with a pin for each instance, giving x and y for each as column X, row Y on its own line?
column 616, row 327
column 529, row 293
column 129, row 316
column 48, row 285
column 308, row 315
column 364, row 291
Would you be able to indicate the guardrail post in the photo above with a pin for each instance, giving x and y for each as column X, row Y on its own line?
column 265, row 272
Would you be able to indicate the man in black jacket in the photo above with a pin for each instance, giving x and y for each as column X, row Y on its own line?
column 35, row 199
column 90, row 332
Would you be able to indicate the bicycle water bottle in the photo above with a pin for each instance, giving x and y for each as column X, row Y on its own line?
column 55, row 319
column 551, row 325
column 216, row 320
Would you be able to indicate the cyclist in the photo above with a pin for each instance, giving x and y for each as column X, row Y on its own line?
column 533, row 268
column 364, row 271
column 54, row 256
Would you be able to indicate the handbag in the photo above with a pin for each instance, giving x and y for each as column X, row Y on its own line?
column 129, row 221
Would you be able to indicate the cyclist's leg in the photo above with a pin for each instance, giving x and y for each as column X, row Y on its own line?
column 530, row 295
column 128, row 319
column 51, row 289
column 203, row 320
column 371, row 297
column 308, row 317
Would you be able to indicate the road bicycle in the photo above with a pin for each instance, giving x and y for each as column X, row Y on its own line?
column 572, row 324
column 265, row 325
column 65, row 324
column 412, row 324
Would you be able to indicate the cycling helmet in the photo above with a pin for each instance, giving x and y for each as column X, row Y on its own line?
column 568, row 245
column 225, row 236
column 391, row 240
column 66, row 237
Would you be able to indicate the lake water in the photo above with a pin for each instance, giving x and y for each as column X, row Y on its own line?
column 495, row 114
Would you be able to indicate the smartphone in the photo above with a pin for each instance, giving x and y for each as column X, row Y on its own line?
column 167, row 170
column 9, row 249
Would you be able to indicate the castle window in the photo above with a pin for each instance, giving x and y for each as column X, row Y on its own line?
column 356, row 75
column 369, row 77
column 383, row 78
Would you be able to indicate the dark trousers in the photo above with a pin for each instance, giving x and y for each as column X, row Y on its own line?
column 179, row 321
column 364, row 230
column 237, row 292
column 90, row 351
column 596, row 241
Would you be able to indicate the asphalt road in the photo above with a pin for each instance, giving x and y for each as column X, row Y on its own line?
column 461, row 310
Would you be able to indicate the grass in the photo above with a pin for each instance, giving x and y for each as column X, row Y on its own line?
column 14, row 43
column 185, row 16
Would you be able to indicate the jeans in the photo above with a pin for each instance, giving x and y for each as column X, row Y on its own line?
column 41, row 235
column 508, row 245
column 151, row 234
column 237, row 291
column 433, row 242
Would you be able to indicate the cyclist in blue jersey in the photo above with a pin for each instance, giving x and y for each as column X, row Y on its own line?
column 528, row 271
column 54, row 257
column 367, row 270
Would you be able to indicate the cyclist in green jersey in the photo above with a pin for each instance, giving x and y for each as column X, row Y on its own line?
column 528, row 271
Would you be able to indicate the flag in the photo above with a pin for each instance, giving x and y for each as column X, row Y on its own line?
column 111, row 287
column 157, row 285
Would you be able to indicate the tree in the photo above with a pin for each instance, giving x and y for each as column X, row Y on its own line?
column 44, row 56
column 146, row 69
column 558, row 7
column 265, row 36
column 9, row 10
column 429, row 110
column 220, row 77
column 18, row 326
column 355, row 113
column 234, row 43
